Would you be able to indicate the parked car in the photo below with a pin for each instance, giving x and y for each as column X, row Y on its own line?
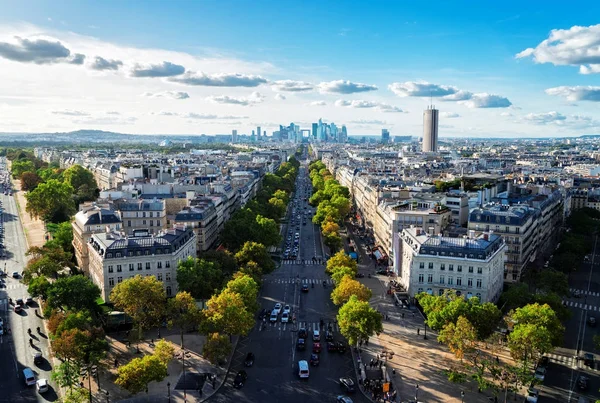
column 302, row 333
column 589, row 360
column 540, row 373
column 316, row 336
column 532, row 395
column 249, row 361
column 591, row 321
column 314, row 359
column 240, row 379
column 42, row 385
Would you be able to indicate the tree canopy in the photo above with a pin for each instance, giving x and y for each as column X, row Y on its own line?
column 358, row 321
column 348, row 287
column 52, row 201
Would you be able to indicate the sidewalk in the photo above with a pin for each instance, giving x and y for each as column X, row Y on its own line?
column 33, row 228
column 196, row 385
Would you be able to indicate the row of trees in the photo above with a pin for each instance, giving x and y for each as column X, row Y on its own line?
column 257, row 221
column 464, row 325
column 332, row 202
column 356, row 319
column 53, row 193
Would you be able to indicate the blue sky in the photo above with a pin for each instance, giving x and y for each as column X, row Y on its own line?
column 470, row 47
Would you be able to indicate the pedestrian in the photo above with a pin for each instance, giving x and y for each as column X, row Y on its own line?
column 394, row 371
column 116, row 363
column 497, row 360
column 380, row 364
column 418, row 331
column 214, row 382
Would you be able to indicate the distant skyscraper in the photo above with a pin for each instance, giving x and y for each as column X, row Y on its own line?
column 234, row 136
column 343, row 135
column 430, row 129
column 315, row 129
column 385, row 136
column 258, row 132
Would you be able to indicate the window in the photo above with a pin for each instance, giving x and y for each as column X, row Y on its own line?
column 143, row 222
column 450, row 280
column 167, row 264
column 130, row 253
column 470, row 269
column 168, row 276
column 442, row 280
column 138, row 253
column 478, row 295
column 147, row 265
column 479, row 270
column 442, row 266
column 144, row 215
column 130, row 266
column 430, row 265
column 129, row 223
column 458, row 280
column 118, row 254
column 158, row 223
column 109, row 255
column 450, row 267
column 441, row 292
column 420, row 290
column 119, row 270
column 169, row 291
column 119, row 280
column 459, row 269
column 421, row 265
column 139, row 266
column 110, row 269
column 478, row 283
column 469, row 282
column 159, row 265
column 430, row 278
column 111, row 282
column 158, row 251
column 152, row 223
column 420, row 279
column 147, row 252
column 159, row 276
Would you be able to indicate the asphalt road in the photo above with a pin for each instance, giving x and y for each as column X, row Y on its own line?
column 15, row 350
column 274, row 375
column 560, row 384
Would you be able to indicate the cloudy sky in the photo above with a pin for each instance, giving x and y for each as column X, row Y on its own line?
column 510, row 70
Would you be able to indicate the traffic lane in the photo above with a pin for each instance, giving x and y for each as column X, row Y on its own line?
column 556, row 384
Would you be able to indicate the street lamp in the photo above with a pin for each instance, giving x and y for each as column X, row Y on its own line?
column 462, row 396
column 417, row 393
column 169, row 390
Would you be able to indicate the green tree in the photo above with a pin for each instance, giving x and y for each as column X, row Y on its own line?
column 340, row 272
column 341, row 204
column 459, row 337
column 199, row 277
column 142, row 298
column 333, row 241
column 39, row 287
column 541, row 317
column 247, row 288
column 77, row 395
column 553, row 281
column 528, row 342
column 74, row 292
column 63, row 237
column 227, row 312
column 255, row 252
column 340, row 259
column 52, row 201
column 21, row 166
column 217, row 348
column 44, row 266
column 224, row 259
column 66, row 374
column 163, row 350
column 348, row 287
column 29, row 181
column 267, row 231
column 183, row 312
column 278, row 206
column 358, row 321
column 83, row 183
column 253, row 270
column 139, row 372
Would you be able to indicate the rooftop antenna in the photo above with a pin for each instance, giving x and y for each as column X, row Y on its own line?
column 431, row 99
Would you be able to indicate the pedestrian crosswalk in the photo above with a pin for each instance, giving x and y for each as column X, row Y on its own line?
column 585, row 292
column 306, row 262
column 563, row 360
column 581, row 305
column 310, row 326
column 292, row 280
column 12, row 286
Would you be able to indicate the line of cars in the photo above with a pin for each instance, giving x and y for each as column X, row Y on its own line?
column 284, row 310
column 301, row 212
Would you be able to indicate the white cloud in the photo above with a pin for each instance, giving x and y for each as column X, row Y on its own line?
column 70, row 112
column 450, row 115
column 460, row 95
column 345, row 87
column 101, row 63
column 291, row 86
column 254, row 98
column 576, row 46
column 280, row 97
column 368, row 122
column 578, row 93
column 485, row 100
column 421, row 89
column 318, row 103
column 545, row 118
column 38, row 51
column 506, row 114
column 199, row 116
column 106, row 120
column 219, row 80
column 165, row 69
column 168, row 94
column 360, row 104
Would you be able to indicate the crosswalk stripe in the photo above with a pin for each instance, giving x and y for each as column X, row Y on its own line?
column 310, row 326
column 302, row 281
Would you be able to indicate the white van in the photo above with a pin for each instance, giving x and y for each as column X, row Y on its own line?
column 303, row 371
column 29, row 377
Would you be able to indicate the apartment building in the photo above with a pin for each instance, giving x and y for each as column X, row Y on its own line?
column 89, row 220
column 141, row 214
column 115, row 257
column 203, row 220
column 473, row 265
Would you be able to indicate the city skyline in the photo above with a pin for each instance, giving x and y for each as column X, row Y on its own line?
column 513, row 72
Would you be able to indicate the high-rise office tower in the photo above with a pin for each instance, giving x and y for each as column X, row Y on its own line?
column 258, row 132
column 385, row 136
column 430, row 129
column 234, row 136
column 315, row 130
column 343, row 135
